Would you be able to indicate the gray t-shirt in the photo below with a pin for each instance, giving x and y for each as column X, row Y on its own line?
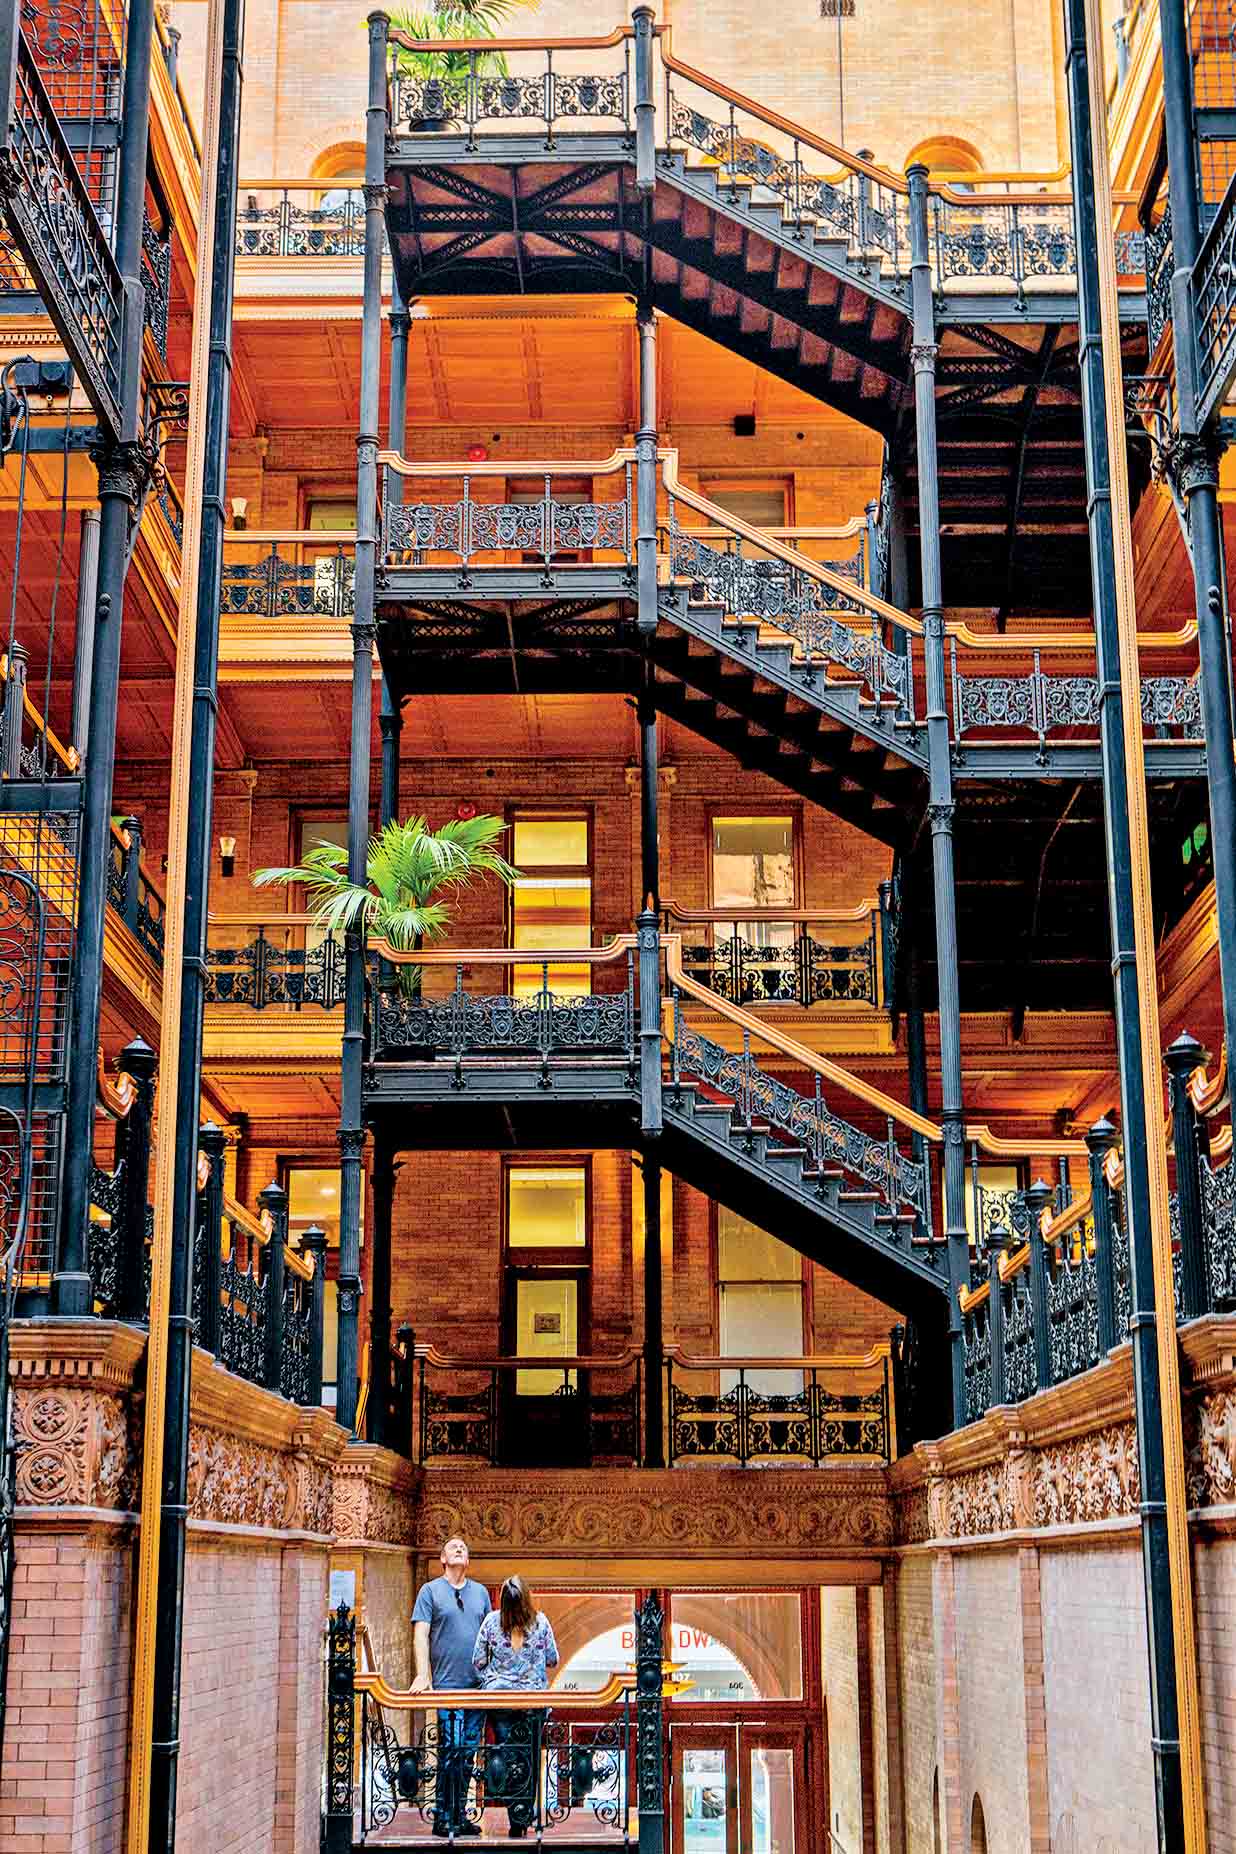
column 454, row 1617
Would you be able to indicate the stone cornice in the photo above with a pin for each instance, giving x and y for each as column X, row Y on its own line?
column 87, row 1352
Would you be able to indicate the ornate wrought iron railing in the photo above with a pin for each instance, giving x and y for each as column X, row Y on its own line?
column 561, row 1765
column 300, row 219
column 558, row 522
column 795, row 1410
column 1214, row 296
column 541, row 1023
column 54, row 222
column 157, row 282
column 289, row 964
column 465, row 89
column 289, row 573
column 258, row 1304
column 1158, row 279
column 822, row 606
column 793, row 957
column 1038, row 704
column 121, row 1220
column 1017, row 241
column 131, row 890
column 28, row 747
column 511, row 1412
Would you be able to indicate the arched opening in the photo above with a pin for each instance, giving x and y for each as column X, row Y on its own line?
column 948, row 159
column 937, row 1831
column 978, row 1827
column 344, row 164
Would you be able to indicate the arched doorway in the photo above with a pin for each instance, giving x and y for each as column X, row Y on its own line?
column 978, row 1827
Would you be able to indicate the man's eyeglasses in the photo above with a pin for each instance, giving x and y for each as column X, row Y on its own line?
column 459, row 1598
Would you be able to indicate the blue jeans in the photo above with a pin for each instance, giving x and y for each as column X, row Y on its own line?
column 459, row 1733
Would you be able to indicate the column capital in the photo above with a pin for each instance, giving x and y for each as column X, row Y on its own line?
column 124, row 470
column 364, row 632
column 1193, row 462
column 923, row 356
column 376, row 194
column 940, row 817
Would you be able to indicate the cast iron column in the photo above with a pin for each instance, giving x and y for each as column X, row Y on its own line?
column 940, row 806
column 83, row 640
column 380, row 1282
column 654, row 1325
column 199, row 774
column 390, row 717
column 1165, row 1725
column 351, row 1126
column 1196, row 463
column 123, row 467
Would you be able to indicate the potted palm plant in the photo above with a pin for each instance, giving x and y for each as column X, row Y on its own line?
column 412, row 874
column 434, row 83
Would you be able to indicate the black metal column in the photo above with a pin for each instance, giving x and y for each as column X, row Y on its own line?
column 123, row 468
column 83, row 639
column 380, row 1299
column 390, row 718
column 940, row 777
column 1165, row 1727
column 217, row 388
column 1195, row 462
column 654, row 1324
column 351, row 1126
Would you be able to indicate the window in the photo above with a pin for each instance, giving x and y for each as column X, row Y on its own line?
column 546, row 1270
column 753, row 867
column 760, row 1303
column 551, row 903
column 761, row 505
column 313, row 831
column 313, row 1197
column 738, row 1644
column 330, row 515
column 988, row 1206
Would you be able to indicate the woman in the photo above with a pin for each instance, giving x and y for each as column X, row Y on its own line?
column 514, row 1652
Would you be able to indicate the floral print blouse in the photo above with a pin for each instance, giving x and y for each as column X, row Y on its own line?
column 506, row 1669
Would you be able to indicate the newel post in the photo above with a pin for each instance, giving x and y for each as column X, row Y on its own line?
column 274, row 1200
column 138, row 1061
column 1183, row 1056
column 313, row 1244
column 209, row 1268
column 1038, row 1199
column 1099, row 1142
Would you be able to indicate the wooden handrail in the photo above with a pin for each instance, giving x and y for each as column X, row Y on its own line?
column 856, row 525
column 843, row 916
column 1209, row 1093
column 479, row 1699
column 581, row 1361
column 1026, row 643
column 260, row 1230
column 798, row 1052
column 262, row 920
column 879, row 1355
column 306, row 537
column 505, row 955
column 520, row 466
column 982, row 1136
column 68, row 756
column 125, row 841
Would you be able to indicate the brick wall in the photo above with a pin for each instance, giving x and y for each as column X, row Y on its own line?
column 915, row 1675
column 1214, row 1595
column 991, row 1695
column 840, row 1679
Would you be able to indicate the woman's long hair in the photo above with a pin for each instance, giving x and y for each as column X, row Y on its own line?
column 517, row 1609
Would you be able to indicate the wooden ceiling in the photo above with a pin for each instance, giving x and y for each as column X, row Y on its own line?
column 501, row 362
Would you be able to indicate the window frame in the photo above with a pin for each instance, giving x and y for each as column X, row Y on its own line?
column 555, row 1257
column 751, row 482
column 806, row 1278
column 797, row 873
column 513, row 814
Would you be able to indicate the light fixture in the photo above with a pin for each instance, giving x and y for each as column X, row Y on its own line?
column 477, row 453
column 227, row 856
column 240, row 511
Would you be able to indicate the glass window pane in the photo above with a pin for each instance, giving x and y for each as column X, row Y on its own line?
column 546, row 1207
column 762, row 1320
column 747, row 1253
column 762, row 508
column 323, row 830
column 738, row 1644
column 546, row 1326
column 551, row 842
column 753, row 862
column 595, row 1632
column 772, row 1800
column 704, row 1786
column 313, row 1197
column 332, row 516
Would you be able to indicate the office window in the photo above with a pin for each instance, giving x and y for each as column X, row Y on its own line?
column 546, row 1207
column 760, row 1303
column 760, row 505
column 330, row 515
column 551, row 903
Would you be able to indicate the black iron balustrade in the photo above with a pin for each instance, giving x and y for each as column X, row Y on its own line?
column 130, row 890
column 257, row 1304
column 576, row 1412
column 759, row 959
column 157, row 281
column 471, row 93
column 1003, row 240
column 28, row 747
column 268, row 971
column 541, row 1024
column 828, row 1140
column 1158, row 279
column 1039, row 704
column 119, row 1233
column 279, row 586
column 564, row 1765
column 551, row 529
column 1214, row 298
column 283, row 227
column 1205, row 1198
column 764, row 587
column 54, row 222
column 807, row 1410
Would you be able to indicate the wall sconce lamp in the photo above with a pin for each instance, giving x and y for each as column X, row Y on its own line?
column 227, row 856
column 240, row 511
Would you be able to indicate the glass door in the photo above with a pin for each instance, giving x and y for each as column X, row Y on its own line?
column 771, row 1792
column 704, row 1787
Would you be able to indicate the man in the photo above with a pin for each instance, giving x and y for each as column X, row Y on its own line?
column 446, row 1620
